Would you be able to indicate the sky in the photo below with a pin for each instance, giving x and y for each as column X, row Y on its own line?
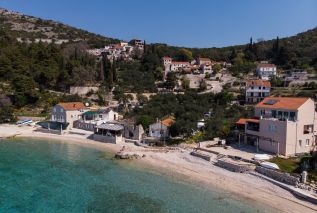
column 189, row 23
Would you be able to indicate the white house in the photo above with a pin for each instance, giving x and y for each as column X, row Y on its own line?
column 257, row 90
column 206, row 68
column 265, row 71
column 160, row 130
column 68, row 112
column 90, row 119
column 179, row 65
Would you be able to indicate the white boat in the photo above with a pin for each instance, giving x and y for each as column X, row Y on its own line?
column 261, row 157
column 24, row 122
column 270, row 165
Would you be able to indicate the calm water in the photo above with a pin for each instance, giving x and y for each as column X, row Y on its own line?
column 50, row 176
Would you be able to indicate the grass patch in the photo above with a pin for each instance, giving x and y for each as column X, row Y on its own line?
column 289, row 165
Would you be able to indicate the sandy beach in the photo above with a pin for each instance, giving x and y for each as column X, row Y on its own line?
column 180, row 164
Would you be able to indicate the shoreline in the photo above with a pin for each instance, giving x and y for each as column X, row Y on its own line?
column 183, row 167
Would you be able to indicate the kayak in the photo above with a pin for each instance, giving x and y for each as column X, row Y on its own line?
column 269, row 165
column 24, row 122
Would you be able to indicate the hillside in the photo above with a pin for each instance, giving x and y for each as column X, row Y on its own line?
column 298, row 51
column 29, row 28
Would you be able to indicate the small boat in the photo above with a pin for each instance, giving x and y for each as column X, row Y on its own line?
column 260, row 157
column 24, row 122
column 270, row 165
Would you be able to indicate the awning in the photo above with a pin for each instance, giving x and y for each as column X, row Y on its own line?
column 89, row 113
column 243, row 121
column 110, row 126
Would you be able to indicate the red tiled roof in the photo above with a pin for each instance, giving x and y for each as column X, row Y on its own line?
column 72, row 106
column 166, row 57
column 180, row 62
column 168, row 122
column 266, row 65
column 258, row 83
column 204, row 59
column 289, row 103
column 244, row 121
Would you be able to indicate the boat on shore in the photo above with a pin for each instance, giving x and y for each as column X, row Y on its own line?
column 270, row 165
column 24, row 122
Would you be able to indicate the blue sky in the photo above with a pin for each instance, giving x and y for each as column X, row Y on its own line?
column 190, row 23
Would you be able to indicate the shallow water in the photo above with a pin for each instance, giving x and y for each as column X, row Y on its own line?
column 51, row 176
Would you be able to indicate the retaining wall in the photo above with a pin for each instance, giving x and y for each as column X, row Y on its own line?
column 277, row 175
column 235, row 167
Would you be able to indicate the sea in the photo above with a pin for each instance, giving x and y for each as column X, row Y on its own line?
column 38, row 175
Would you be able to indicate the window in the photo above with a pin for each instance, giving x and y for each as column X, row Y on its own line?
column 300, row 142
column 280, row 114
column 263, row 87
column 54, row 109
column 262, row 111
column 274, row 113
column 285, row 114
column 292, row 116
column 62, row 110
column 307, row 142
column 100, row 116
column 272, row 128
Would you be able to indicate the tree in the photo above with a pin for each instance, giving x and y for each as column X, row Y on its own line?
column 185, row 83
column 216, row 68
column 170, row 82
column 142, row 99
column 184, row 55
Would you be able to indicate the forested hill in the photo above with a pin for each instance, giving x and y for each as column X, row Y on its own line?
column 29, row 28
column 296, row 51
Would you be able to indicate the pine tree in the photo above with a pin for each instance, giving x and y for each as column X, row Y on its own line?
column 114, row 71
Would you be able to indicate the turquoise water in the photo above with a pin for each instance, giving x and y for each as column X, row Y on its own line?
column 51, row 176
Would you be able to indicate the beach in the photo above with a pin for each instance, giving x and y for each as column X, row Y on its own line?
column 179, row 164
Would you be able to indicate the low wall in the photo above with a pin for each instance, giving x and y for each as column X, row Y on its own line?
column 200, row 155
column 108, row 139
column 82, row 90
column 235, row 167
column 31, row 118
column 84, row 126
column 277, row 175
column 50, row 131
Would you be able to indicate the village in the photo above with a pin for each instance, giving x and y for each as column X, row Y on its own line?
column 281, row 130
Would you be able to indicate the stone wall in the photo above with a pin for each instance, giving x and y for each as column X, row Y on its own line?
column 82, row 90
column 235, row 167
column 277, row 175
column 200, row 155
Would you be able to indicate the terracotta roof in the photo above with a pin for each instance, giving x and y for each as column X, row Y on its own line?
column 266, row 65
column 204, row 59
column 180, row 62
column 166, row 57
column 258, row 83
column 244, row 121
column 290, row 103
column 72, row 106
column 168, row 122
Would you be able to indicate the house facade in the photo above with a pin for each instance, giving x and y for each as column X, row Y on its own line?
column 109, row 133
column 265, row 71
column 68, row 112
column 160, row 130
column 179, row 65
column 90, row 119
column 203, row 61
column 257, row 90
column 282, row 125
